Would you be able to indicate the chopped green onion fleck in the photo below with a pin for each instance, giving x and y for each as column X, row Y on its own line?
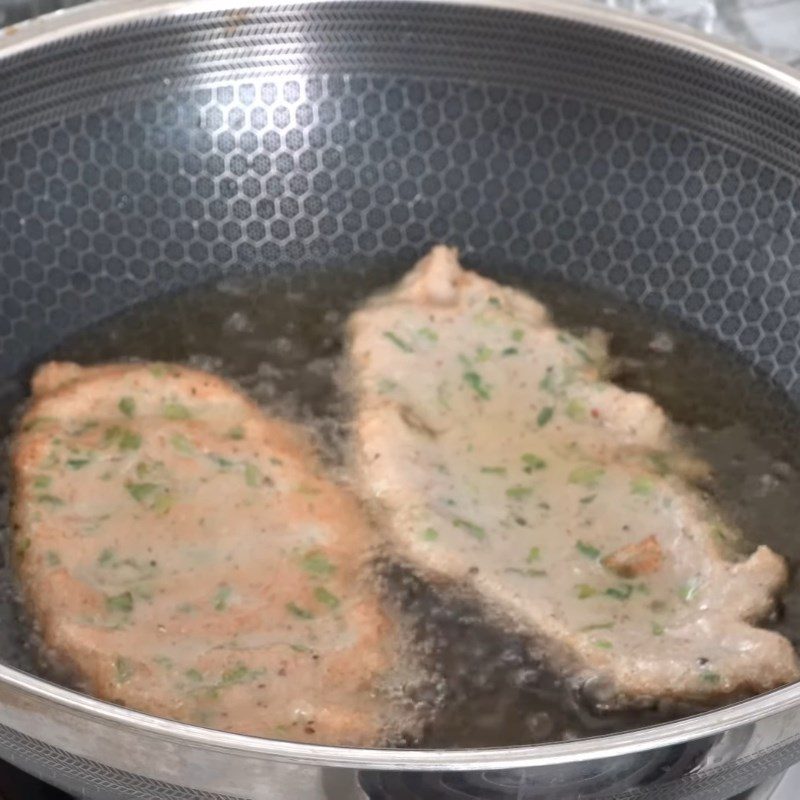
column 120, row 602
column 603, row 644
column 398, row 342
column 317, row 564
column 77, row 463
column 221, row 597
column 176, row 411
column 430, row 335
column 493, row 470
column 476, row 531
column 588, row 550
column 510, row 351
column 127, row 405
column 709, row 677
column 642, row 485
column 52, row 558
column 300, row 648
column 517, row 334
column 587, row 476
column 483, row 353
column 124, row 668
column 42, row 481
column 545, row 415
column 531, row 462
column 621, row 592
column 252, row 475
column 322, row 595
column 430, row 534
column 533, row 554
column 475, row 382
column 106, row 557
column 164, row 661
column 236, row 432
column 158, row 370
column 588, row 499
column 23, row 545
column 657, row 629
column 299, row 611
column 194, row 675
column 584, row 591
column 494, row 301
column 519, row 492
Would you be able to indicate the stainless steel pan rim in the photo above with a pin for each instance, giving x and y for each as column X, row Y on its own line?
column 106, row 13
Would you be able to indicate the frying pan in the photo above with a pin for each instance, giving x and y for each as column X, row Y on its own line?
column 149, row 147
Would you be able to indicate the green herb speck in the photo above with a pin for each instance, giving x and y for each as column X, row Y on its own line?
column 194, row 675
column 430, row 534
column 42, row 481
column 576, row 410
column 588, row 499
column 519, row 492
column 430, row 335
column 181, row 444
column 77, row 463
column 106, row 557
column 598, row 626
column 493, row 470
column 510, row 351
column 221, row 597
column 252, row 475
column 585, row 591
column 545, row 415
column 621, row 592
column 588, row 550
column 52, row 558
column 176, row 411
column 517, row 334
column 483, row 353
column 587, row 476
column 532, row 462
column 398, row 342
column 318, row 564
column 533, row 554
column 127, row 405
column 642, row 485
column 603, row 644
column 687, row 591
column 299, row 611
column 128, row 440
column 475, row 382
column 657, row 628
column 709, row 677
column 120, row 602
column 49, row 500
column 476, row 531
column 322, row 595
column 236, row 433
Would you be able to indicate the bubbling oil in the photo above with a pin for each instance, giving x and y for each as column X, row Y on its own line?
column 472, row 684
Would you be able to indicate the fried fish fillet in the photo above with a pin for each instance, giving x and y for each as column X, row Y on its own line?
column 186, row 556
column 504, row 464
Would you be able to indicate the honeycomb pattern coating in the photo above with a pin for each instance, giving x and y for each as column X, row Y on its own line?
column 362, row 175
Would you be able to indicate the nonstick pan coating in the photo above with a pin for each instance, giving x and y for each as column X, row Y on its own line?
column 150, row 147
